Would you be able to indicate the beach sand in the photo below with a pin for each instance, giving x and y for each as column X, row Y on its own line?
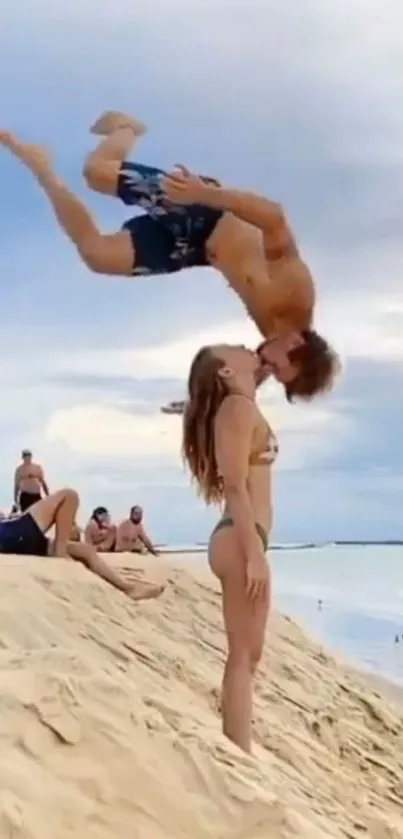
column 109, row 726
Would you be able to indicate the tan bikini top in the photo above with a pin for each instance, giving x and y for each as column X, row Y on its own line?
column 267, row 448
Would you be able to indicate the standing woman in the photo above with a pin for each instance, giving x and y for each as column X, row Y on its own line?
column 229, row 449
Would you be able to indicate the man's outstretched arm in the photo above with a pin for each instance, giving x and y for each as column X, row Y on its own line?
column 183, row 187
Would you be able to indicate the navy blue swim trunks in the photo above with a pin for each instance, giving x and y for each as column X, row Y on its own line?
column 169, row 236
column 22, row 536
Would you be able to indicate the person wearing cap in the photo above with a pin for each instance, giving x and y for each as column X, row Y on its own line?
column 100, row 532
column 29, row 482
column 131, row 535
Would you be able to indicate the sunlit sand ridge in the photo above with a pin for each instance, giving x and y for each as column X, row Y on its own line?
column 109, row 725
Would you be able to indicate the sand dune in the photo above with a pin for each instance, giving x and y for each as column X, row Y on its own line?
column 109, row 728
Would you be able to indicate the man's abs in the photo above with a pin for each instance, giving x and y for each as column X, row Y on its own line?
column 269, row 288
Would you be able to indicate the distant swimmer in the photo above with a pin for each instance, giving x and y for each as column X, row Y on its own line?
column 230, row 448
column 192, row 221
column 26, row 535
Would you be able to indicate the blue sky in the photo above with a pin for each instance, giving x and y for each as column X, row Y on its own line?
column 301, row 101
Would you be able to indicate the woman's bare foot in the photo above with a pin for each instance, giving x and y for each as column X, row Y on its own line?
column 34, row 157
column 111, row 121
column 144, row 591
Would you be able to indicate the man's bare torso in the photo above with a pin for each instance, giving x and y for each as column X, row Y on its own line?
column 266, row 271
column 28, row 477
column 129, row 536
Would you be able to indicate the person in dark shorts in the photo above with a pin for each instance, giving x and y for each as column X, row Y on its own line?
column 164, row 239
column 29, row 482
column 191, row 221
column 25, row 535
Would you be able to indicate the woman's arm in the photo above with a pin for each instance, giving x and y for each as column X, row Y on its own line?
column 234, row 427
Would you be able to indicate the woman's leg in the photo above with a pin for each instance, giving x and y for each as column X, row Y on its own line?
column 245, row 624
column 58, row 509
column 135, row 589
column 103, row 254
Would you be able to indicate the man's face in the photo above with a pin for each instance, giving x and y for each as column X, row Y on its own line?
column 26, row 456
column 274, row 356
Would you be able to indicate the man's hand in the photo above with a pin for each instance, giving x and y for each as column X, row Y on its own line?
column 181, row 187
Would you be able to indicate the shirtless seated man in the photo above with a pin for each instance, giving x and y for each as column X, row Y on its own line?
column 131, row 535
column 100, row 532
column 193, row 221
column 26, row 535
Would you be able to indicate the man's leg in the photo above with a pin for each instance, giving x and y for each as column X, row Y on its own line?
column 108, row 171
column 102, row 166
column 111, row 254
column 58, row 509
column 128, row 583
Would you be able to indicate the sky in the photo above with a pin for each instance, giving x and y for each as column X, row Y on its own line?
column 298, row 101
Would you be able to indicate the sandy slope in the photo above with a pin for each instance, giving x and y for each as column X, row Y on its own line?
column 109, row 730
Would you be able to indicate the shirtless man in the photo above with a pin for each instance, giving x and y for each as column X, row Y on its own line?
column 29, row 481
column 192, row 221
column 131, row 535
column 100, row 532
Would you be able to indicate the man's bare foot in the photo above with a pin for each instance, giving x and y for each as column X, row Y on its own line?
column 36, row 158
column 111, row 121
column 144, row 591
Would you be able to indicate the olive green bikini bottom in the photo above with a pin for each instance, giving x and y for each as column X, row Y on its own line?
column 227, row 522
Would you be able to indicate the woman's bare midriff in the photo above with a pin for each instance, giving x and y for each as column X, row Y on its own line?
column 259, row 490
column 259, row 481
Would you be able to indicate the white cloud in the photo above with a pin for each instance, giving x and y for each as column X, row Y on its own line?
column 91, row 429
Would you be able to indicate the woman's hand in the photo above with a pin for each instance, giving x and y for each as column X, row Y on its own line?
column 181, row 187
column 257, row 575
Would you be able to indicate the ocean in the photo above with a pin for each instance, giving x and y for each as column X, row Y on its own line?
column 349, row 598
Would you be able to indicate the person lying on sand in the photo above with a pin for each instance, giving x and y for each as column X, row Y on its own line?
column 26, row 535
column 190, row 221
column 131, row 535
column 229, row 449
column 100, row 532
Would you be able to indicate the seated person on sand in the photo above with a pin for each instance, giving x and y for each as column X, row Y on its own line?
column 229, row 449
column 26, row 535
column 100, row 532
column 29, row 482
column 131, row 535
column 190, row 221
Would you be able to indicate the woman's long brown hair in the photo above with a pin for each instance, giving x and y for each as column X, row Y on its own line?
column 206, row 392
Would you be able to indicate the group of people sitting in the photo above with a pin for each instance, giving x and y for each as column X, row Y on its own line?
column 25, row 533
column 100, row 532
